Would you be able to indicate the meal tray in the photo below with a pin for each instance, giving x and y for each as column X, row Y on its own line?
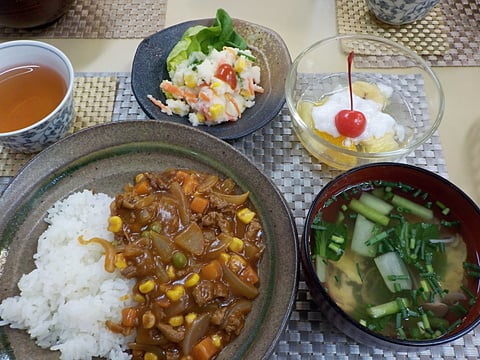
column 276, row 151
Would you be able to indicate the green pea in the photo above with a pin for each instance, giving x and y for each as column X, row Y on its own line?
column 179, row 259
column 156, row 226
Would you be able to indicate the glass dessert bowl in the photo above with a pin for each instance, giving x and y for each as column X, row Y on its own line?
column 396, row 91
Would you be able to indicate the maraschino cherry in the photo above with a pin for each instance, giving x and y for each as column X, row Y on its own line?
column 350, row 123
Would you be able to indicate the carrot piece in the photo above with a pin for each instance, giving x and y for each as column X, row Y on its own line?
column 204, row 350
column 129, row 317
column 249, row 275
column 199, row 204
column 211, row 271
column 180, row 175
column 142, row 187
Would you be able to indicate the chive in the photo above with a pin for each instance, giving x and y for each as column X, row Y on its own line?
column 397, row 287
column 424, row 318
column 415, row 208
column 368, row 212
column 471, row 266
column 338, row 239
column 470, row 294
column 417, row 193
column 359, row 271
column 475, row 274
column 398, row 321
column 335, row 248
column 459, row 308
column 397, row 277
column 445, row 210
column 344, row 207
column 450, row 224
column 388, row 308
column 379, row 237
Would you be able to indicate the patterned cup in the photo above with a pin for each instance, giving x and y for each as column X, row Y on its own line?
column 399, row 12
column 53, row 126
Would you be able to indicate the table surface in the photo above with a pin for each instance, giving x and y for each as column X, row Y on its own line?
column 301, row 23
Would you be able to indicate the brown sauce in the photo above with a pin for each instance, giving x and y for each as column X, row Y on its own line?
column 185, row 239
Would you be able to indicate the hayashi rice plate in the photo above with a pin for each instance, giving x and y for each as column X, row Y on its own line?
column 187, row 239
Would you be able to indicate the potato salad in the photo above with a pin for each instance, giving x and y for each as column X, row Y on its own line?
column 213, row 75
column 212, row 89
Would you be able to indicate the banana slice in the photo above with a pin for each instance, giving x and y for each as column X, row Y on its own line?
column 369, row 91
column 385, row 143
column 304, row 109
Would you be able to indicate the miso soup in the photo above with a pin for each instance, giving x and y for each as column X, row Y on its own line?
column 393, row 259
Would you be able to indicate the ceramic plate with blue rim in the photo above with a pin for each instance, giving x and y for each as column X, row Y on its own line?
column 106, row 157
column 149, row 69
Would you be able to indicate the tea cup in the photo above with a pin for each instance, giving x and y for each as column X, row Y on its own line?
column 400, row 12
column 22, row 58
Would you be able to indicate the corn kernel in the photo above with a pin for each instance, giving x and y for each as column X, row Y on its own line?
column 236, row 244
column 216, row 84
column 148, row 320
column 115, row 224
column 139, row 177
column 120, row 262
column 224, row 258
column 146, row 286
column 236, row 263
column 190, row 80
column 190, row 317
column 245, row 93
column 175, row 293
column 192, row 280
column 240, row 64
column 216, row 110
column 176, row 320
column 139, row 298
column 245, row 215
column 217, row 340
column 171, row 272
column 150, row 356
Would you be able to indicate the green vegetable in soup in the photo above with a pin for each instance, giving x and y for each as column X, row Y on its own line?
column 394, row 263
column 204, row 39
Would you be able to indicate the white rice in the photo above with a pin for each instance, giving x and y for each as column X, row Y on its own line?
column 65, row 301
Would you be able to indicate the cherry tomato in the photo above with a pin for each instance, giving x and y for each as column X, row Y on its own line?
column 350, row 123
column 226, row 73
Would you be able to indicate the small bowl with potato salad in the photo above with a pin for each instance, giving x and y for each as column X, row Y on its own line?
column 358, row 99
column 224, row 76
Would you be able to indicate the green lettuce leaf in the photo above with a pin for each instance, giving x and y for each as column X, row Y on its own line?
column 204, row 39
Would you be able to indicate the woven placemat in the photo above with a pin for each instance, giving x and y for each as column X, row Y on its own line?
column 448, row 36
column 276, row 150
column 93, row 97
column 102, row 19
column 299, row 177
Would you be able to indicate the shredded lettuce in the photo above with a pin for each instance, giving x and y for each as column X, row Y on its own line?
column 204, row 39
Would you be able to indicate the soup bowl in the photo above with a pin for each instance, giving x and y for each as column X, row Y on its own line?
column 450, row 206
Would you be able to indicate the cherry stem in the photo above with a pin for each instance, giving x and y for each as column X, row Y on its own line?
column 350, row 60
